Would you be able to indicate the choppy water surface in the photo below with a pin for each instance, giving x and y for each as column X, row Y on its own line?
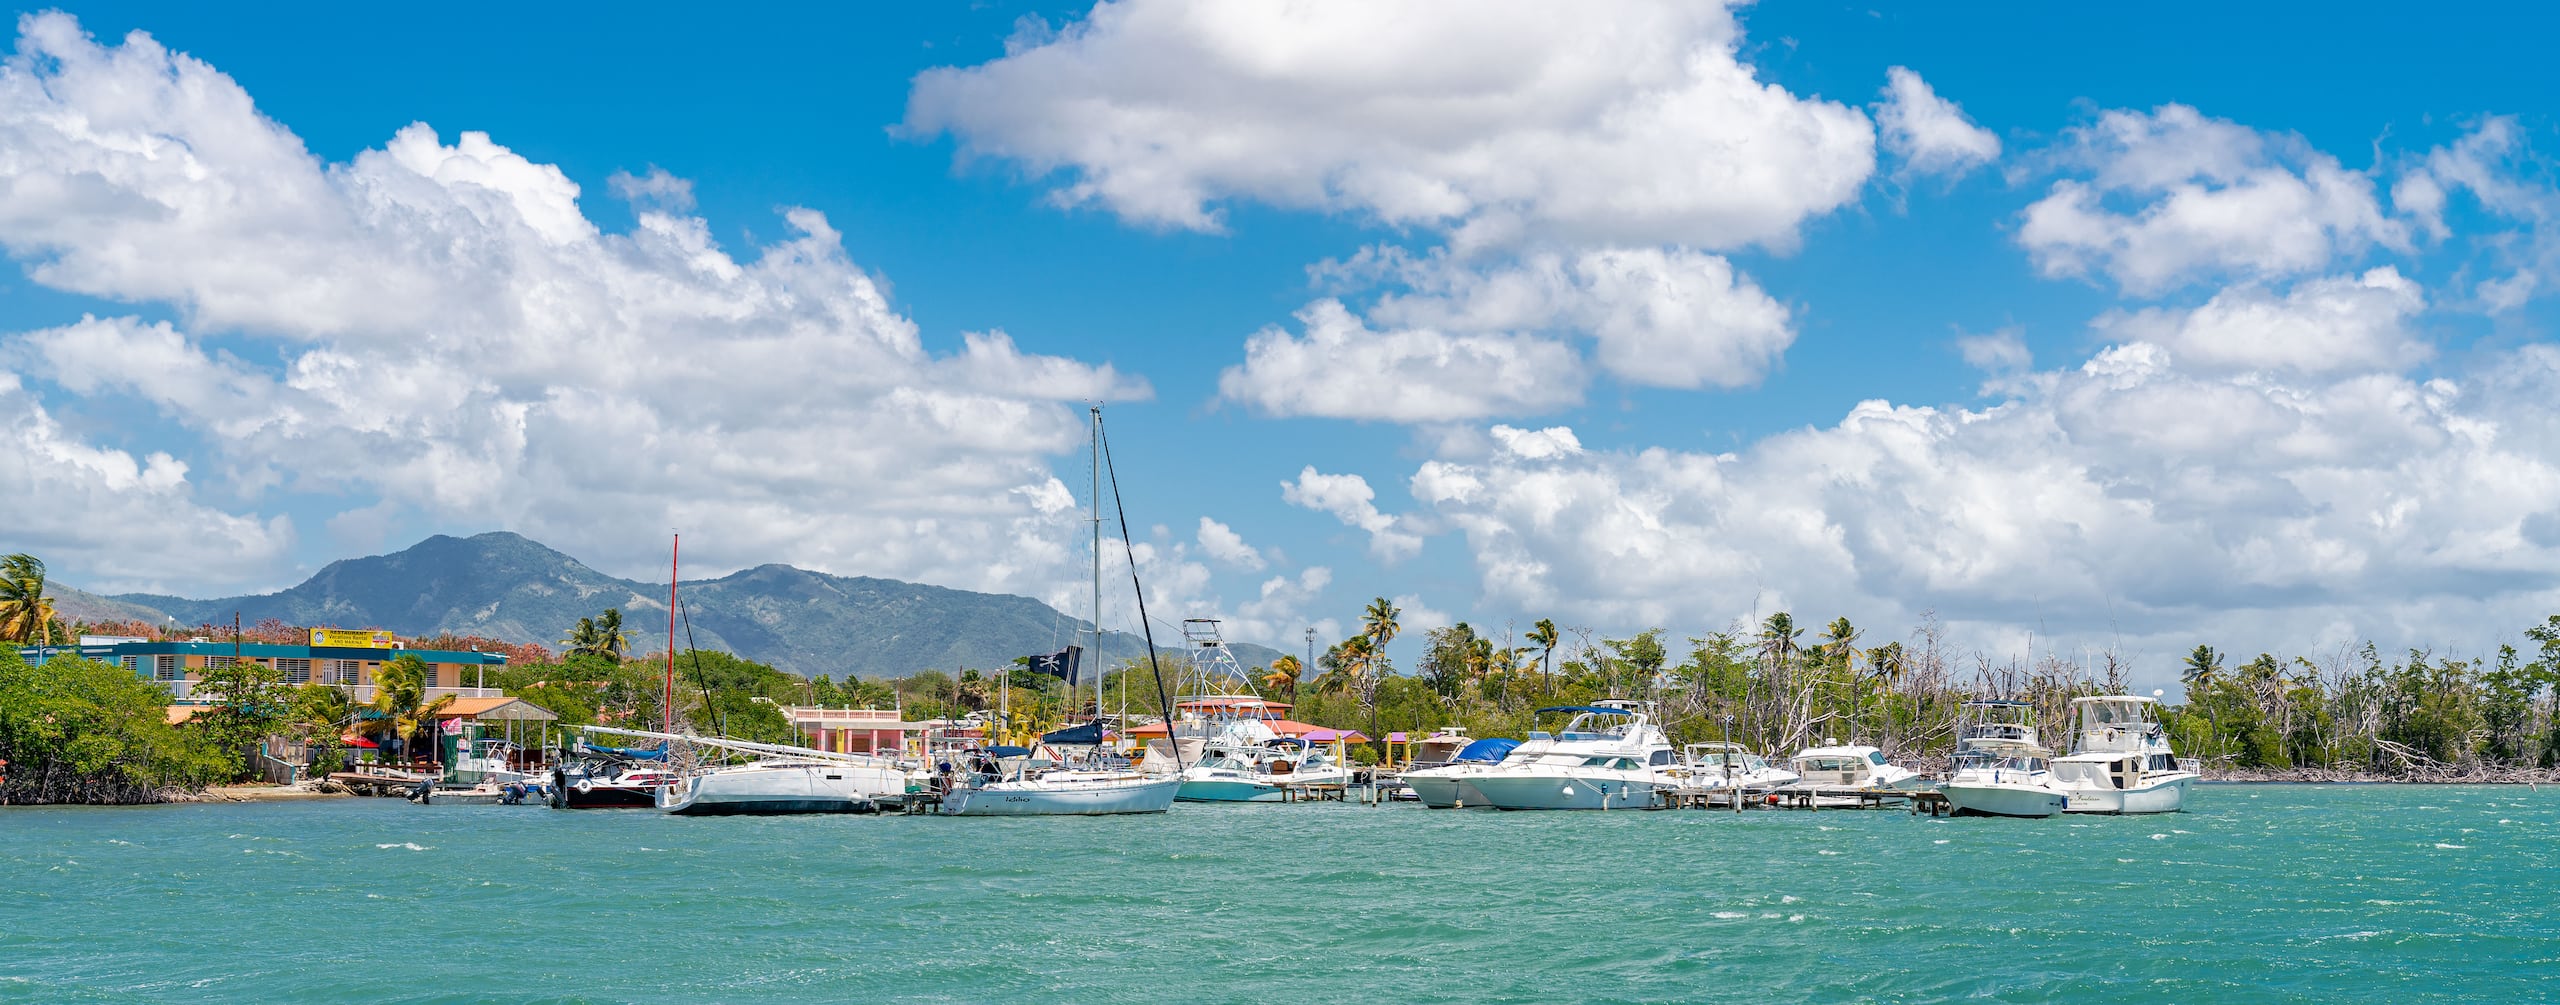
column 2258, row 894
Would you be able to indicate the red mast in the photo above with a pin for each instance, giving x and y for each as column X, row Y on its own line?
column 667, row 704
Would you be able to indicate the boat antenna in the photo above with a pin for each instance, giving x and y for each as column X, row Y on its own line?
column 699, row 679
column 1102, row 440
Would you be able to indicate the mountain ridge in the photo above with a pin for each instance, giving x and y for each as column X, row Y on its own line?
column 507, row 586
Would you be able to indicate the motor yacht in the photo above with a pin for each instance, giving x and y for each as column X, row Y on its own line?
column 1726, row 765
column 1452, row 785
column 1610, row 755
column 1231, row 773
column 2004, row 777
column 2120, row 759
column 1846, row 774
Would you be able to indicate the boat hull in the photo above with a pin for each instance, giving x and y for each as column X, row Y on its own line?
column 1449, row 791
column 1010, row 799
column 780, row 789
column 1227, row 790
column 584, row 796
column 1564, row 792
column 2166, row 796
column 1995, row 799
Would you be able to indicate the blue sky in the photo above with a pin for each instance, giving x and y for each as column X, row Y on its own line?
column 2322, row 422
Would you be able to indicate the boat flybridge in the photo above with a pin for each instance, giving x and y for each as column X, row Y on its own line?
column 780, row 779
column 1726, row 765
column 1610, row 755
column 2120, row 760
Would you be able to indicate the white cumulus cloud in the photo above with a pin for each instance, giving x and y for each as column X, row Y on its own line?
column 1929, row 133
column 1629, row 123
column 2215, row 199
column 437, row 324
column 1349, row 498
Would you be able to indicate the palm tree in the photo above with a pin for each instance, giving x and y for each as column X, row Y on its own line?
column 1345, row 663
column 1283, row 676
column 582, row 639
column 1379, row 622
column 1840, row 648
column 610, row 636
column 1543, row 635
column 2203, row 670
column 400, row 703
column 26, row 614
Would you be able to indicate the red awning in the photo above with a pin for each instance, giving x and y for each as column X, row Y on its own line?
column 352, row 740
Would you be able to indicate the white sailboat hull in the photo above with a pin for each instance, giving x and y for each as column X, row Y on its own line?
column 1563, row 791
column 1082, row 797
column 1230, row 788
column 757, row 789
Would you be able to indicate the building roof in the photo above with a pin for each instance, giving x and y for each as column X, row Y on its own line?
column 495, row 708
column 1331, row 735
column 182, row 713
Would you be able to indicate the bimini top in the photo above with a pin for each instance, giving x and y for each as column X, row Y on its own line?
column 1585, row 708
column 2002, row 703
column 1489, row 749
column 2142, row 699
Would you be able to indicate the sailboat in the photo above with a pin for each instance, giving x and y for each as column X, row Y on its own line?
column 781, row 779
column 1074, row 791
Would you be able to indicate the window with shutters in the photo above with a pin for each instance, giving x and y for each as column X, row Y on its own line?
column 165, row 667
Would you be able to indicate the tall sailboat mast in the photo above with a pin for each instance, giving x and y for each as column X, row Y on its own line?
column 1096, row 448
column 667, row 701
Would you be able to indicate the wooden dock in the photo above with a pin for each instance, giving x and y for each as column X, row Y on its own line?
column 1800, row 799
column 1295, row 793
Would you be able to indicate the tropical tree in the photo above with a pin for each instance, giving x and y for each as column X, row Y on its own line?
column 599, row 636
column 1543, row 635
column 26, row 614
column 400, row 704
column 1282, row 677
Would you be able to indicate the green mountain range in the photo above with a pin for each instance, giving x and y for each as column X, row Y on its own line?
column 506, row 586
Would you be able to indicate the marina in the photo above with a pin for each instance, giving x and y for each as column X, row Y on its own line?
column 2269, row 893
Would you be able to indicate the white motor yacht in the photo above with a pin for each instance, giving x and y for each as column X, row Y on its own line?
column 1229, row 773
column 2120, row 760
column 1838, row 773
column 1726, row 765
column 2004, row 777
column 1609, row 756
column 1452, row 785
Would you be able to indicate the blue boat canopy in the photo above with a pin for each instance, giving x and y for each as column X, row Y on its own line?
column 1010, row 751
column 657, row 753
column 1491, row 748
column 1584, row 708
column 1284, row 741
column 1085, row 734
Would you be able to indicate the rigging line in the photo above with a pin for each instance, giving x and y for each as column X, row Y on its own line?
column 685, row 611
column 1153, row 663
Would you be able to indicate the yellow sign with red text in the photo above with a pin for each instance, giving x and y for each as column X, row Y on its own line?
column 352, row 638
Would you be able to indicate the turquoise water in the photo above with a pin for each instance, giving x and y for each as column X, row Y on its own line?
column 2258, row 894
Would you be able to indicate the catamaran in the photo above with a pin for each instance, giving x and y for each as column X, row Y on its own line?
column 1073, row 791
column 2120, row 760
column 1610, row 755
